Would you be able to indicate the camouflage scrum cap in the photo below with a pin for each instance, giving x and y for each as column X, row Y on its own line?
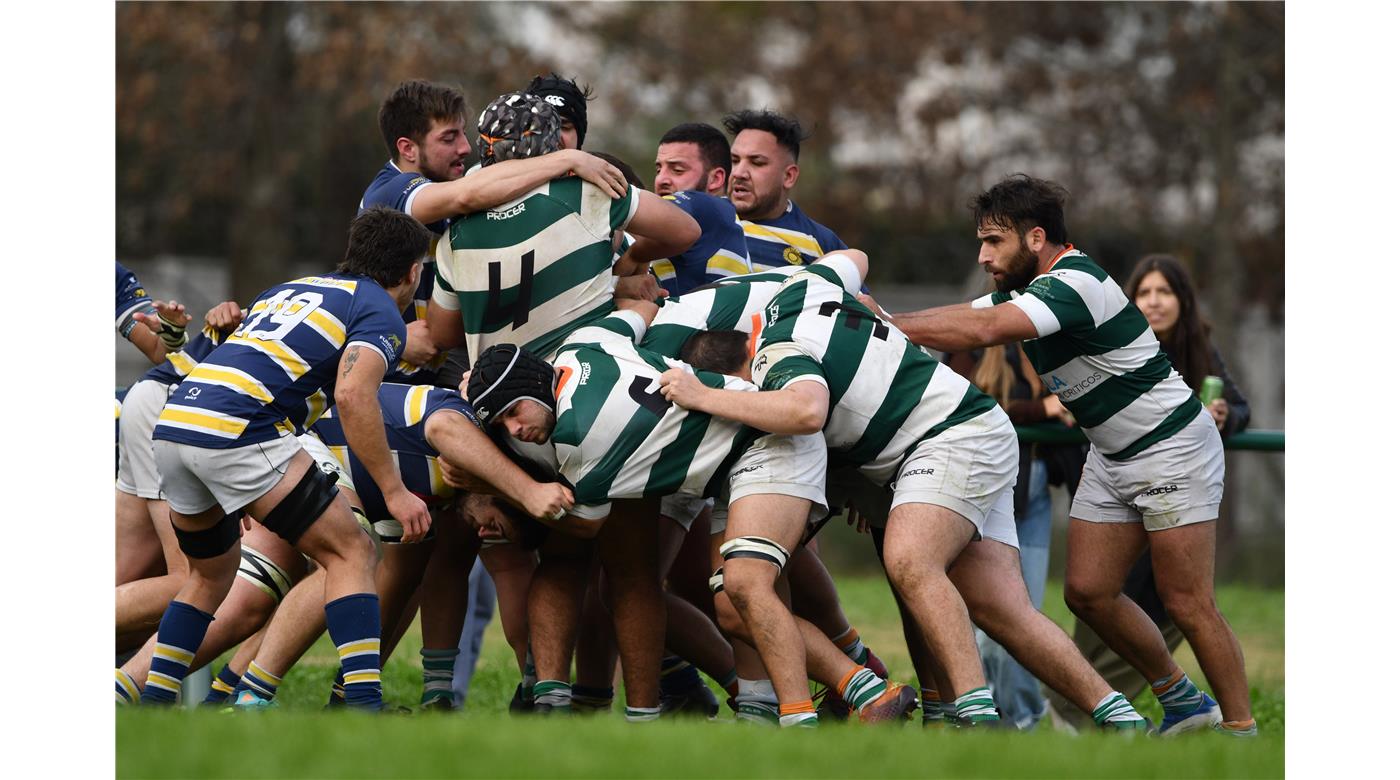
column 516, row 125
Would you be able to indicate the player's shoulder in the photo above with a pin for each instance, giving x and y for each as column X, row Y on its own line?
column 391, row 187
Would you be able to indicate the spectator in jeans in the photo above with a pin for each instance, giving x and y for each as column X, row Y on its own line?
column 1005, row 373
column 1162, row 289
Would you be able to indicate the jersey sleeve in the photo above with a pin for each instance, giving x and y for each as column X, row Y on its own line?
column 778, row 364
column 396, row 192
column 1060, row 301
column 619, row 325
column 839, row 270
column 444, row 293
column 377, row 325
column 624, row 208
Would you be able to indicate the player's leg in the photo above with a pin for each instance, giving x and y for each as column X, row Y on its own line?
column 446, row 590
column 596, row 651
column 140, row 603
column 988, row 575
column 511, row 568
column 138, row 482
column 814, row 597
column 294, row 628
column 306, row 509
column 692, row 639
column 1183, row 559
column 627, row 545
column 554, row 605
column 138, row 547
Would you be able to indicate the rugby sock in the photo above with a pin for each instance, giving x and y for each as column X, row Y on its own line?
column 353, row 623
column 528, row 678
column 337, row 691
column 1176, row 692
column 642, row 714
column 1114, row 711
column 729, row 682
column 801, row 714
column 850, row 644
column 977, row 706
column 1240, row 728
column 756, row 701
column 259, row 681
column 588, row 699
column 128, row 692
column 678, row 676
column 553, row 693
column 860, row 686
column 437, row 673
column 222, row 686
column 182, row 628
column 931, row 705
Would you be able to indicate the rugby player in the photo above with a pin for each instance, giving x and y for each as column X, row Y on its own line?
column 764, row 154
column 570, row 101
column 164, row 323
column 225, row 446
column 1156, row 466
column 893, row 413
column 692, row 171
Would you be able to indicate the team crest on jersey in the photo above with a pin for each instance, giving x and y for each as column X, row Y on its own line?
column 792, row 255
column 140, row 292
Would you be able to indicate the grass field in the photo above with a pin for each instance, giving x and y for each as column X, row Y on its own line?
column 300, row 741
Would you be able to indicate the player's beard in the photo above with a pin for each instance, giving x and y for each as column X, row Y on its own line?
column 1020, row 269
column 762, row 205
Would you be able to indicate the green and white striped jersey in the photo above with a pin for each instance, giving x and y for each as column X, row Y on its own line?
column 531, row 271
column 728, row 304
column 1095, row 350
column 617, row 437
column 887, row 395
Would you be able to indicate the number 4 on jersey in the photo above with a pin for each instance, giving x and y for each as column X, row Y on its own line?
column 517, row 312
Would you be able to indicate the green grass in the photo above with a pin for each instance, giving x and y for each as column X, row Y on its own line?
column 298, row 740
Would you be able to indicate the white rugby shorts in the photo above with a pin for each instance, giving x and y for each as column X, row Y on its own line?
column 195, row 478
column 1177, row 481
column 777, row 465
column 136, row 469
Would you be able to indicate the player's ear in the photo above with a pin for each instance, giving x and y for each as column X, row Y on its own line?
column 714, row 182
column 408, row 150
column 790, row 176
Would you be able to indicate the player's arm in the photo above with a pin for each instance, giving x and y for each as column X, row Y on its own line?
column 445, row 326
column 467, row 449
column 962, row 327
column 164, row 330
column 505, row 181
column 797, row 408
column 357, row 404
column 659, row 229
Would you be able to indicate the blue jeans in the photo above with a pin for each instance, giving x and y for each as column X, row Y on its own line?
column 1015, row 691
column 481, row 605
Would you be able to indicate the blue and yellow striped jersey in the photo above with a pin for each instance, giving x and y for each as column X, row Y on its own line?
column 406, row 410
column 276, row 374
column 791, row 239
column 131, row 298
column 719, row 253
column 396, row 189
column 178, row 365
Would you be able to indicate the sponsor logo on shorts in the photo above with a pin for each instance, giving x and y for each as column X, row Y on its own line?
column 916, row 472
column 1157, row 491
column 744, row 470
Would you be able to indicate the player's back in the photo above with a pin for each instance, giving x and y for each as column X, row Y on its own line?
column 617, row 436
column 276, row 373
column 727, row 304
column 531, row 271
column 406, row 411
column 886, row 394
column 720, row 252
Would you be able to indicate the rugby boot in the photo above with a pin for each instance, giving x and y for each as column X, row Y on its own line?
column 894, row 704
column 247, row 701
column 830, row 705
column 519, row 704
column 1206, row 715
column 697, row 700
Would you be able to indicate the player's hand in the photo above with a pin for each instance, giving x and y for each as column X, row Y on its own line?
column 856, row 519
column 682, row 388
column 461, row 478
column 411, row 513
column 548, row 501
column 870, row 303
column 224, row 318
column 1220, row 410
column 246, row 526
column 1056, row 410
column 603, row 174
column 462, row 385
column 418, row 348
column 642, row 287
column 168, row 323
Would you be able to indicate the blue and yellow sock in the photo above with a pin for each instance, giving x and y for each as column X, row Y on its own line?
column 977, row 706
column 259, row 681
column 128, row 692
column 182, row 629
column 678, row 676
column 337, row 691
column 1176, row 692
column 353, row 623
column 222, row 686
column 437, row 673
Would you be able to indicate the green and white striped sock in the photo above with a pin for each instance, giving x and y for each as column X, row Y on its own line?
column 1114, row 710
column 1177, row 694
column 931, row 706
column 554, row 693
column 861, row 687
column 437, row 673
column 642, row 714
column 977, row 706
